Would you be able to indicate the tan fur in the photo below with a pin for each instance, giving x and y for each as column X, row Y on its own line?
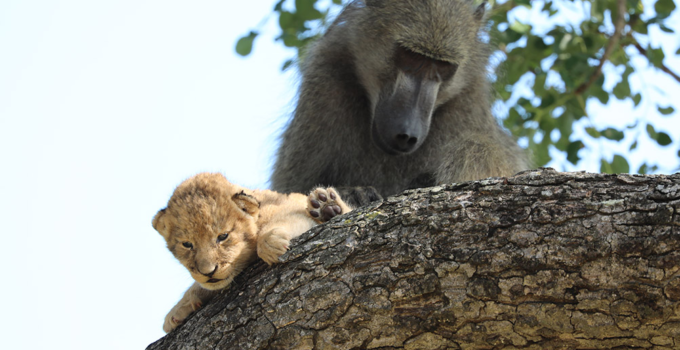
column 206, row 207
column 354, row 71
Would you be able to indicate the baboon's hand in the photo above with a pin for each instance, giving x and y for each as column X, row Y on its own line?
column 358, row 196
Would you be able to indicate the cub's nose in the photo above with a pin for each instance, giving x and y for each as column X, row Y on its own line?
column 207, row 269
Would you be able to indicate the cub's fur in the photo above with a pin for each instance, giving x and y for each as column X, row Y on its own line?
column 215, row 229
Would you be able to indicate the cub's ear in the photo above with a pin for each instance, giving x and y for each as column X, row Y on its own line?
column 247, row 203
column 159, row 223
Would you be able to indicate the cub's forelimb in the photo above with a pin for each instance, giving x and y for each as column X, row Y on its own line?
column 321, row 205
column 194, row 298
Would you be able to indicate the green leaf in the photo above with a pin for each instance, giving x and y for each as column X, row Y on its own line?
column 655, row 56
column 593, row 132
column 677, row 52
column 666, row 111
column 620, row 165
column 651, row 132
column 540, row 151
column 547, row 6
column 663, row 139
column 664, row 7
column 666, row 29
column 539, row 83
column 646, row 169
column 612, row 134
column 599, row 93
column 633, row 146
column 245, row 45
column 572, row 151
column 634, row 6
column 643, row 169
column 291, row 41
column 285, row 20
column 605, row 167
column 636, row 99
column 279, row 5
column 519, row 27
column 511, row 36
column 306, row 11
column 287, row 65
column 640, row 27
column 622, row 89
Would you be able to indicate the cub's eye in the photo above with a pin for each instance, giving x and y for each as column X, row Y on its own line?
column 222, row 237
column 188, row 245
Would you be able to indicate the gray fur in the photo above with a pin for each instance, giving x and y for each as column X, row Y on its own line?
column 329, row 142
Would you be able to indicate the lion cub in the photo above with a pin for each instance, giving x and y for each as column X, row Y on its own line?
column 215, row 229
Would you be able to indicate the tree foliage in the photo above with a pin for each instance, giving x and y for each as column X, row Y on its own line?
column 552, row 61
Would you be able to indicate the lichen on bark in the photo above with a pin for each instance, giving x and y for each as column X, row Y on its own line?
column 542, row 260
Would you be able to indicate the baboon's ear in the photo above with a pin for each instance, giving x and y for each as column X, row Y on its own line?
column 247, row 203
column 479, row 12
column 159, row 223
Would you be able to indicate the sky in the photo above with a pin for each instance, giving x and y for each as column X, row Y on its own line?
column 105, row 107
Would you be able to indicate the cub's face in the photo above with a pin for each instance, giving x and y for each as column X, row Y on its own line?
column 210, row 228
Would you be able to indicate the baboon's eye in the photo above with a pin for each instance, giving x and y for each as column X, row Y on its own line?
column 222, row 237
column 446, row 70
column 424, row 66
column 188, row 245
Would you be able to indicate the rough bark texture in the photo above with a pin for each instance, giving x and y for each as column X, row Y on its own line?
column 543, row 260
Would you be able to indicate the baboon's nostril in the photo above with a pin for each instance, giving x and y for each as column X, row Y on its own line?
column 405, row 142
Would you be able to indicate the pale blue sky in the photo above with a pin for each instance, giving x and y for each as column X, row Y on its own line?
column 105, row 106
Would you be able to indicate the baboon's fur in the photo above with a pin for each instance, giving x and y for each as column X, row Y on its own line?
column 352, row 67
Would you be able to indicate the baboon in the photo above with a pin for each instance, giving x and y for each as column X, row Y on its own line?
column 395, row 95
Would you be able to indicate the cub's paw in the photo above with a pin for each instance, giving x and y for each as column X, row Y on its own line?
column 271, row 245
column 324, row 204
column 180, row 312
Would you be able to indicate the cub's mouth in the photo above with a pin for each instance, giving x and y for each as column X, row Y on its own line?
column 213, row 280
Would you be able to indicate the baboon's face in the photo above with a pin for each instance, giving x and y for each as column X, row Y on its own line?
column 402, row 115
column 412, row 58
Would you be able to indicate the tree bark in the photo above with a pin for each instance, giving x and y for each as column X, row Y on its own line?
column 542, row 260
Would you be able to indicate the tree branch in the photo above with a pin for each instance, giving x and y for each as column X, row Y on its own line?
column 663, row 67
column 613, row 41
column 541, row 260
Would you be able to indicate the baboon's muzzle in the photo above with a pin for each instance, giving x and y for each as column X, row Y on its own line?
column 402, row 116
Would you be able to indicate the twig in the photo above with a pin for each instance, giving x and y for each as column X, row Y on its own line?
column 662, row 66
column 613, row 41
